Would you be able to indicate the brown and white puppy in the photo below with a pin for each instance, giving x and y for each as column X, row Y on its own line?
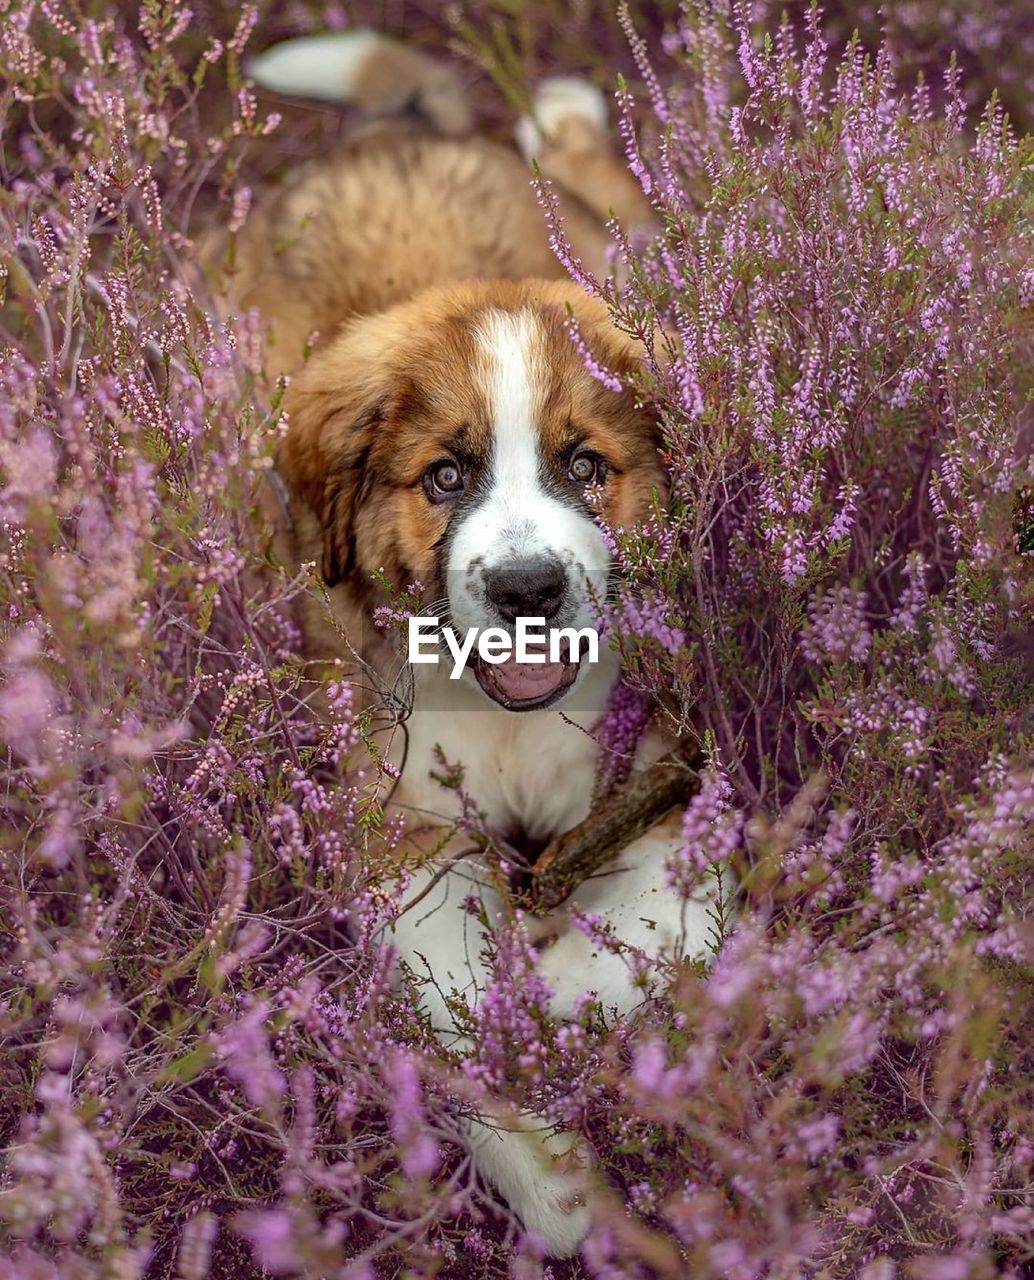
column 446, row 430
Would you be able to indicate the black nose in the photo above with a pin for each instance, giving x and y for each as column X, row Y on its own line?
column 533, row 589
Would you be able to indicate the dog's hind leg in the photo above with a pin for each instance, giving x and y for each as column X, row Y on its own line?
column 382, row 76
column 567, row 136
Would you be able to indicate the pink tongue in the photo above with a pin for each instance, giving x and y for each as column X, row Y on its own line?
column 519, row 680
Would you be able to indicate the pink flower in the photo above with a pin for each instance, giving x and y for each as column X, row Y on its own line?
column 244, row 1048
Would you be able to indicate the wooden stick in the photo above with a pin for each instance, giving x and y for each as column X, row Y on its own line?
column 613, row 823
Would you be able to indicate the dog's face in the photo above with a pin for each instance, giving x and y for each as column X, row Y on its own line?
column 459, row 441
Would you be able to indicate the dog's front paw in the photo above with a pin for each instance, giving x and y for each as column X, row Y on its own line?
column 553, row 1203
column 566, row 112
column 541, row 1175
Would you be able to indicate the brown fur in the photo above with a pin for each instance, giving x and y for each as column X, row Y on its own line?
column 396, row 211
column 387, row 397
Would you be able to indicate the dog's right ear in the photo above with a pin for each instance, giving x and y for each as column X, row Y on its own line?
column 334, row 405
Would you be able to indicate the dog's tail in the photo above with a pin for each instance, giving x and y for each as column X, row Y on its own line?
column 382, row 76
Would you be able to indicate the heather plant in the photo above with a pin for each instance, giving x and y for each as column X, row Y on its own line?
column 210, row 1063
column 993, row 43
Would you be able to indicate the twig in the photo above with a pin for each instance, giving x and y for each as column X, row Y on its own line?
column 623, row 817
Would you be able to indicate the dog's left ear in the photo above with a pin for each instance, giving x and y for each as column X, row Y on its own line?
column 335, row 406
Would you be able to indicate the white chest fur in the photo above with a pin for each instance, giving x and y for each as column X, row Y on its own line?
column 530, row 772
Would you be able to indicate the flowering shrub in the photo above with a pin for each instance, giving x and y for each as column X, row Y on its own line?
column 208, row 1067
column 993, row 42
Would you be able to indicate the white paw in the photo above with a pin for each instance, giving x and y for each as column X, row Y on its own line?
column 321, row 66
column 562, row 1230
column 559, row 100
column 541, row 1175
column 553, row 1205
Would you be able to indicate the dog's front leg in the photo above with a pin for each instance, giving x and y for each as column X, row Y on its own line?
column 439, row 935
column 635, row 906
column 538, row 1172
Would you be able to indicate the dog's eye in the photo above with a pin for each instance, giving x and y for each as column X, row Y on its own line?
column 443, row 480
column 585, row 467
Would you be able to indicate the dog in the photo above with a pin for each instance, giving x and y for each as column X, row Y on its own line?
column 445, row 430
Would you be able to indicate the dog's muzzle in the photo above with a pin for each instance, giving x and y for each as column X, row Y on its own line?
column 536, row 588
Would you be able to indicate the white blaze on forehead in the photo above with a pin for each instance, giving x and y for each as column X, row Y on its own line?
column 518, row 516
column 511, row 344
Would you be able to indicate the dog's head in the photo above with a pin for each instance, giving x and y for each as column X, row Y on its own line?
column 459, row 440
